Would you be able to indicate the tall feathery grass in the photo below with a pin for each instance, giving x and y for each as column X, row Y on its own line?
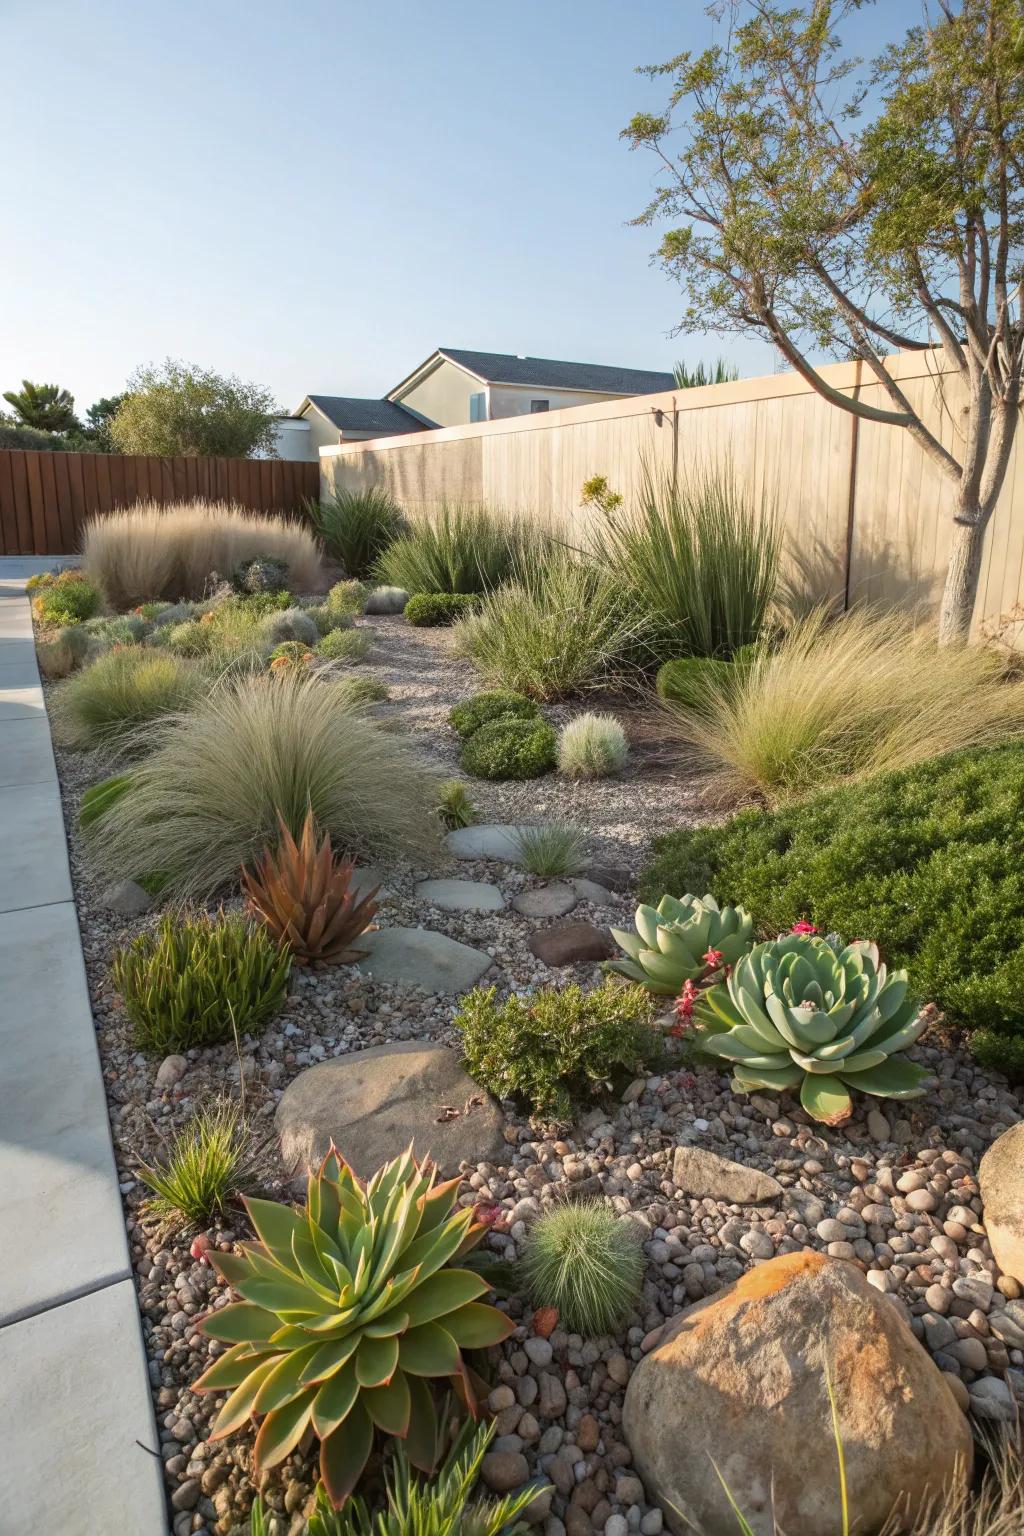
column 701, row 557
column 153, row 551
column 463, row 548
column 106, row 703
column 568, row 630
column 357, row 527
column 206, row 799
column 845, row 699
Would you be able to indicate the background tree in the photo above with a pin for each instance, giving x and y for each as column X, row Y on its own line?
column 96, row 431
column 46, row 407
column 794, row 220
column 15, row 434
column 181, row 409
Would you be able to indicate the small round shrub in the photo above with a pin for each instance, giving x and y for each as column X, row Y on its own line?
column 591, row 747
column 510, row 749
column 68, row 650
column 124, row 629
column 587, row 1263
column 66, row 602
column 260, row 574
column 346, row 645
column 501, row 704
column 426, row 609
column 190, row 639
column 289, row 656
column 346, row 599
column 152, row 611
column 326, row 619
column 694, row 681
column 169, row 614
column 362, row 690
column 128, row 687
column 289, row 624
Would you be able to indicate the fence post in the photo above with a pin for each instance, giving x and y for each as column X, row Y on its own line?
column 851, row 500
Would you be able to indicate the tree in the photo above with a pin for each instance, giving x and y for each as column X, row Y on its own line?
column 794, row 220
column 46, row 407
column 15, row 434
column 181, row 409
column 96, row 431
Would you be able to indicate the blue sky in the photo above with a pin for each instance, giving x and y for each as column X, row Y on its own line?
column 315, row 196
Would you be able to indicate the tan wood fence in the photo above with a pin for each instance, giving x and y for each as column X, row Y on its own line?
column 45, row 498
column 866, row 512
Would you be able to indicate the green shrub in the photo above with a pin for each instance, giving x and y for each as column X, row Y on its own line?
column 288, row 624
column 208, row 1164
column 199, row 980
column 587, row 1263
column 154, row 610
column 454, row 806
column 123, row 629
column 462, row 549
column 41, row 579
column 324, row 619
column 190, row 638
column 696, row 681
column 570, row 629
column 551, row 851
column 701, row 559
column 427, row 609
column 362, row 690
column 98, row 798
column 508, row 748
column 65, row 651
column 469, row 716
column 357, row 527
column 291, row 653
column 68, row 600
column 106, row 702
column 347, row 599
column 346, row 645
column 555, row 1051
column 205, row 800
column 260, row 573
column 592, row 747
column 927, row 861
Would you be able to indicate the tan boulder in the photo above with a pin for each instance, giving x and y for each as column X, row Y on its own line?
column 739, row 1382
column 1001, row 1180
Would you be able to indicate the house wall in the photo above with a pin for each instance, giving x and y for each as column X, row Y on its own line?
column 322, row 433
column 514, row 399
column 863, row 507
column 292, row 441
column 443, row 395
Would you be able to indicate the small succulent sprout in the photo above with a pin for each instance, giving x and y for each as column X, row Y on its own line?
column 682, row 940
column 804, row 1012
column 348, row 1311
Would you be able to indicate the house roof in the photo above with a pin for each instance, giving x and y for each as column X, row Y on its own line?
column 353, row 414
column 549, row 373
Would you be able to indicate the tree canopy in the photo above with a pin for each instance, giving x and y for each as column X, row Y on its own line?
column 46, row 407
column 180, row 409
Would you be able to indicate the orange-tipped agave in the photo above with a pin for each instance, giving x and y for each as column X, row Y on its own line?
column 349, row 1310
column 302, row 893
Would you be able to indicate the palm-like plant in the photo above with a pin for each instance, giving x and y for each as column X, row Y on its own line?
column 46, row 407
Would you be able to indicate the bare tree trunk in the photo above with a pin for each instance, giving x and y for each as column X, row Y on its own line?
column 962, row 572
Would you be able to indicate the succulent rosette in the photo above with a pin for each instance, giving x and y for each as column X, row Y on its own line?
column 681, row 939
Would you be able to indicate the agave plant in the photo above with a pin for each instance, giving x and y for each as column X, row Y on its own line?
column 347, row 1312
column 682, row 940
column 803, row 1011
column 302, row 893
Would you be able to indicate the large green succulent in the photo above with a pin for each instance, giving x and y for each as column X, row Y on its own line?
column 672, row 942
column 348, row 1311
column 803, row 1011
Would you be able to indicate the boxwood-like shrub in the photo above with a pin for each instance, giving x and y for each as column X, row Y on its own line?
column 690, row 679
column 510, row 749
column 69, row 600
column 499, row 704
column 426, row 609
column 928, row 861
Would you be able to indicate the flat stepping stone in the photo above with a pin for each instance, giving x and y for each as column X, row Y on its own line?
column 461, row 895
column 589, row 890
column 372, row 1104
column 422, row 958
column 485, row 841
column 364, row 879
column 569, row 943
column 553, row 900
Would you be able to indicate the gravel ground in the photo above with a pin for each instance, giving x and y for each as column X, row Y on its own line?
column 895, row 1192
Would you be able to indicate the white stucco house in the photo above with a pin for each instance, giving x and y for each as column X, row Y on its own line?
column 454, row 387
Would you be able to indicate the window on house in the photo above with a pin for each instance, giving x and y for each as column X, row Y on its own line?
column 478, row 406
column 538, row 405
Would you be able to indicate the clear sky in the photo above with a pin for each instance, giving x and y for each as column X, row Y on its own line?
column 316, row 195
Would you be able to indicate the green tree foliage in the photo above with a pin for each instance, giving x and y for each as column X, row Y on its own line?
column 46, row 407
column 797, row 215
column 95, row 433
column 180, row 409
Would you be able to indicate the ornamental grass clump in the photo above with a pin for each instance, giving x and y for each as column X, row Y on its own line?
column 454, row 806
column 462, row 549
column 357, row 527
column 303, row 895
column 557, row 1051
column 587, row 1263
column 346, row 645
column 208, row 1165
column 206, row 799
column 348, row 1312
column 810, row 1013
column 427, row 609
column 555, row 850
column 108, row 704
column 199, row 980
column 592, row 746
column 346, row 600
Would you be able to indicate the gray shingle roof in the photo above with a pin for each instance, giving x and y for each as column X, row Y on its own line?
column 548, row 373
column 351, row 413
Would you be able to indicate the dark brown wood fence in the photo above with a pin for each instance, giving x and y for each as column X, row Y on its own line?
column 45, row 498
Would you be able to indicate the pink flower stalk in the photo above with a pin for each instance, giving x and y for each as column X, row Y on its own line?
column 802, row 927
column 713, row 958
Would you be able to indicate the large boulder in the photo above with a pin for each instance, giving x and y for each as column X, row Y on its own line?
column 1001, row 1180
column 372, row 1104
column 739, row 1383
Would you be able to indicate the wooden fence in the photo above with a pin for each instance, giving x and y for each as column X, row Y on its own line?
column 46, row 498
column 867, row 514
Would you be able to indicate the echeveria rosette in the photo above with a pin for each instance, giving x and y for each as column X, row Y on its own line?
column 348, row 1310
column 806, row 1012
column 673, row 941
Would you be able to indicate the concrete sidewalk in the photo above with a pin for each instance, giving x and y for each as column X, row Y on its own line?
column 76, row 1415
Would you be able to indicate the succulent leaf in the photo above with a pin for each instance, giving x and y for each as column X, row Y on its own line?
column 674, row 938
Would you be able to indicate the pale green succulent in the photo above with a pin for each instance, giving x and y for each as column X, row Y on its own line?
column 802, row 1011
column 349, row 1309
column 673, row 939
